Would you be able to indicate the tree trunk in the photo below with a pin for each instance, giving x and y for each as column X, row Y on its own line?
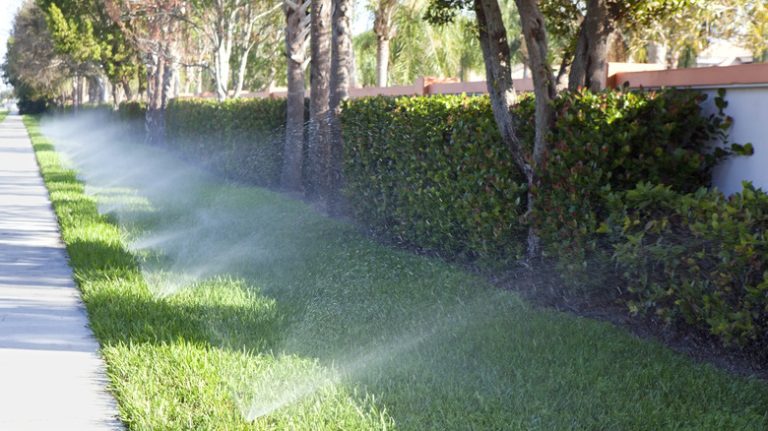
column 384, row 29
column 535, row 33
column 341, row 76
column 617, row 50
column 221, row 56
column 382, row 61
column 295, row 45
column 127, row 90
column 93, row 90
column 116, row 96
column 589, row 64
column 578, row 73
column 242, row 68
column 77, row 100
column 161, row 87
column 319, row 148
column 154, row 116
column 493, row 41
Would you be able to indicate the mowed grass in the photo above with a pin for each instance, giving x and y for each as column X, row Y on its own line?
column 225, row 307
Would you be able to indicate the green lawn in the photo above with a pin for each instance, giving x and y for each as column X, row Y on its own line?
column 228, row 307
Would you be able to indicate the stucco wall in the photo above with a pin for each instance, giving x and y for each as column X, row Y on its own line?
column 748, row 105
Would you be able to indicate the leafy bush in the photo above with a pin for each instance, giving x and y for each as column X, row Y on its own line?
column 432, row 172
column 611, row 141
column 241, row 139
column 699, row 258
column 131, row 118
column 130, row 111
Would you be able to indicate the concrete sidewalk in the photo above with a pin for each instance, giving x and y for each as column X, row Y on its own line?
column 51, row 375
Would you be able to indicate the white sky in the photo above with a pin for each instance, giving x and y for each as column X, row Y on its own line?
column 362, row 19
column 8, row 10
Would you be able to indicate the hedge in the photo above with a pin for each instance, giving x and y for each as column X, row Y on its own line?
column 240, row 139
column 611, row 141
column 699, row 258
column 432, row 171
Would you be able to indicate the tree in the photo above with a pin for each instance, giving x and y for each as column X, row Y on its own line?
column 342, row 58
column 496, row 54
column 153, row 28
column 259, row 32
column 683, row 32
column 297, row 31
column 82, row 30
column 35, row 69
column 419, row 48
column 535, row 33
column 384, row 28
column 319, row 143
column 79, row 44
column 228, row 26
column 607, row 18
column 588, row 67
column 755, row 35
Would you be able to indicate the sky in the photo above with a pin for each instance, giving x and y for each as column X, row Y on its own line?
column 8, row 10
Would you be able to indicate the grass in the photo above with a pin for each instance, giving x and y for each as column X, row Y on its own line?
column 3, row 114
column 289, row 320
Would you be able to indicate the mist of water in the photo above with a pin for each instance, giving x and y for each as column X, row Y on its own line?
column 198, row 232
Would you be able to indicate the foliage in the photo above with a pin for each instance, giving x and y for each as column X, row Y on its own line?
column 129, row 111
column 698, row 258
column 686, row 27
column 432, row 172
column 420, row 49
column 754, row 34
column 611, row 141
column 32, row 65
column 240, row 139
column 82, row 30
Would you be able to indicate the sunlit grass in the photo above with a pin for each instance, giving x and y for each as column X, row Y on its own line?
column 236, row 308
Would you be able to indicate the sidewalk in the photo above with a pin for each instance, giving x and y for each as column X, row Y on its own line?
column 51, row 376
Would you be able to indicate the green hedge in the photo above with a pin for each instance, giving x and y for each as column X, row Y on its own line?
column 431, row 172
column 611, row 141
column 698, row 258
column 240, row 139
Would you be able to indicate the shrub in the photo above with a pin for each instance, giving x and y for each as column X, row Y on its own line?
column 240, row 139
column 132, row 111
column 611, row 141
column 698, row 258
column 432, row 172
column 131, row 117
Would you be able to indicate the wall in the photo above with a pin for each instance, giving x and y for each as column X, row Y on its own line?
column 747, row 95
column 749, row 108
